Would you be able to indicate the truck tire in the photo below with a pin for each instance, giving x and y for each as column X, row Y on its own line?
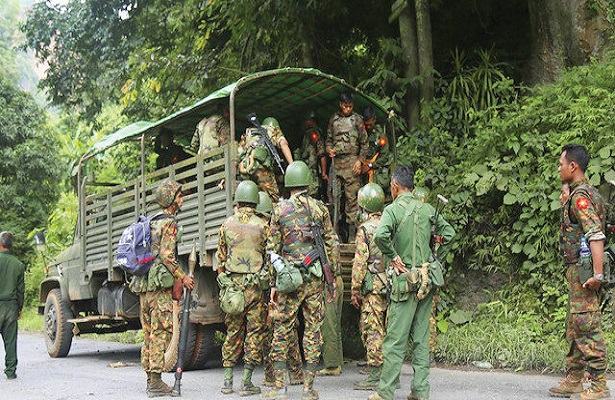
column 58, row 331
column 204, row 346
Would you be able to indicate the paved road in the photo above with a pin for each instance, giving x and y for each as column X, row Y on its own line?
column 108, row 370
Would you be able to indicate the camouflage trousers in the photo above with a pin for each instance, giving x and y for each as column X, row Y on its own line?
column 372, row 326
column 586, row 345
column 350, row 184
column 157, row 323
column 245, row 331
column 265, row 179
column 293, row 358
column 308, row 298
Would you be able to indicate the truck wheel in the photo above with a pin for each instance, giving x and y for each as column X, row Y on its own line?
column 58, row 331
column 204, row 347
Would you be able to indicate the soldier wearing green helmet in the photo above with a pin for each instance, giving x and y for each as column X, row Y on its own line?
column 256, row 162
column 241, row 246
column 291, row 221
column 312, row 151
column 264, row 206
column 369, row 284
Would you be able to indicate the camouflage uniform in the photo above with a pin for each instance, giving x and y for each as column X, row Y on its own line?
column 347, row 136
column 368, row 259
column 241, row 247
column 155, row 294
column 256, row 163
column 291, row 238
column 583, row 215
column 385, row 158
column 293, row 360
column 311, row 151
column 211, row 132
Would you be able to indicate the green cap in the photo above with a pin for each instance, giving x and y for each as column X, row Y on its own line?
column 371, row 197
column 247, row 192
column 297, row 175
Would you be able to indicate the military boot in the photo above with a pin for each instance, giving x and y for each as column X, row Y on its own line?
column 597, row 390
column 375, row 396
column 295, row 377
column 308, row 386
column 334, row 371
column 157, row 388
column 279, row 391
column 227, row 386
column 573, row 383
column 247, row 387
column 371, row 382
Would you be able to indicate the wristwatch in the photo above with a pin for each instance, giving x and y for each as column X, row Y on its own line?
column 599, row 277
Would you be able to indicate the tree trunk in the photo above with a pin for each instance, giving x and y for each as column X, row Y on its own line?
column 425, row 49
column 407, row 34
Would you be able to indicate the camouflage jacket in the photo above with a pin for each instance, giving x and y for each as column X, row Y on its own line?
column 347, row 135
column 312, row 150
column 291, row 230
column 368, row 257
column 241, row 243
column 166, row 266
column 210, row 133
column 252, row 153
column 583, row 215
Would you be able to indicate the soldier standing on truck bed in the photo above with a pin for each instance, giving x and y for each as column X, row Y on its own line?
column 256, row 162
column 291, row 224
column 312, row 152
column 347, row 146
column 241, row 246
column 212, row 131
column 154, row 289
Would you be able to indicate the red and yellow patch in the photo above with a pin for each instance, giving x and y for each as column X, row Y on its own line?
column 582, row 203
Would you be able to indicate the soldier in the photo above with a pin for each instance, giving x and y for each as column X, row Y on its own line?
column 347, row 146
column 241, row 247
column 11, row 301
column 312, row 152
column 292, row 237
column 168, row 151
column 403, row 236
column 154, row 288
column 583, row 216
column 255, row 160
column 294, row 361
column 211, row 132
column 370, row 284
column 379, row 158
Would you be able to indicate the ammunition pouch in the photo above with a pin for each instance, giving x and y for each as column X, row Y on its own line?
column 232, row 300
column 368, row 284
column 418, row 280
column 288, row 279
column 436, row 273
column 311, row 266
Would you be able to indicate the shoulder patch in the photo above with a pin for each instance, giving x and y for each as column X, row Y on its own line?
column 582, row 203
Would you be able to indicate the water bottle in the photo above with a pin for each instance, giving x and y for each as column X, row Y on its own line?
column 277, row 262
column 584, row 251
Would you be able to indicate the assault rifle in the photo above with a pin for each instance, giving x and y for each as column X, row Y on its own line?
column 183, row 335
column 333, row 190
column 436, row 240
column 264, row 139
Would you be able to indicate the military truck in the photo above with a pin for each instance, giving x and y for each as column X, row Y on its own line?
column 84, row 290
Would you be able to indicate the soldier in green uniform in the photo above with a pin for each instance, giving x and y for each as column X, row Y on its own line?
column 583, row 215
column 211, row 132
column 379, row 158
column 255, row 160
column 403, row 236
column 154, row 288
column 241, row 247
column 291, row 236
column 168, row 151
column 294, row 361
column 347, row 146
column 312, row 152
column 11, row 301
column 370, row 284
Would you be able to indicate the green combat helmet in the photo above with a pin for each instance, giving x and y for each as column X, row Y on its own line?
column 297, row 175
column 247, row 192
column 371, row 197
column 271, row 121
column 166, row 192
column 264, row 206
column 421, row 193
